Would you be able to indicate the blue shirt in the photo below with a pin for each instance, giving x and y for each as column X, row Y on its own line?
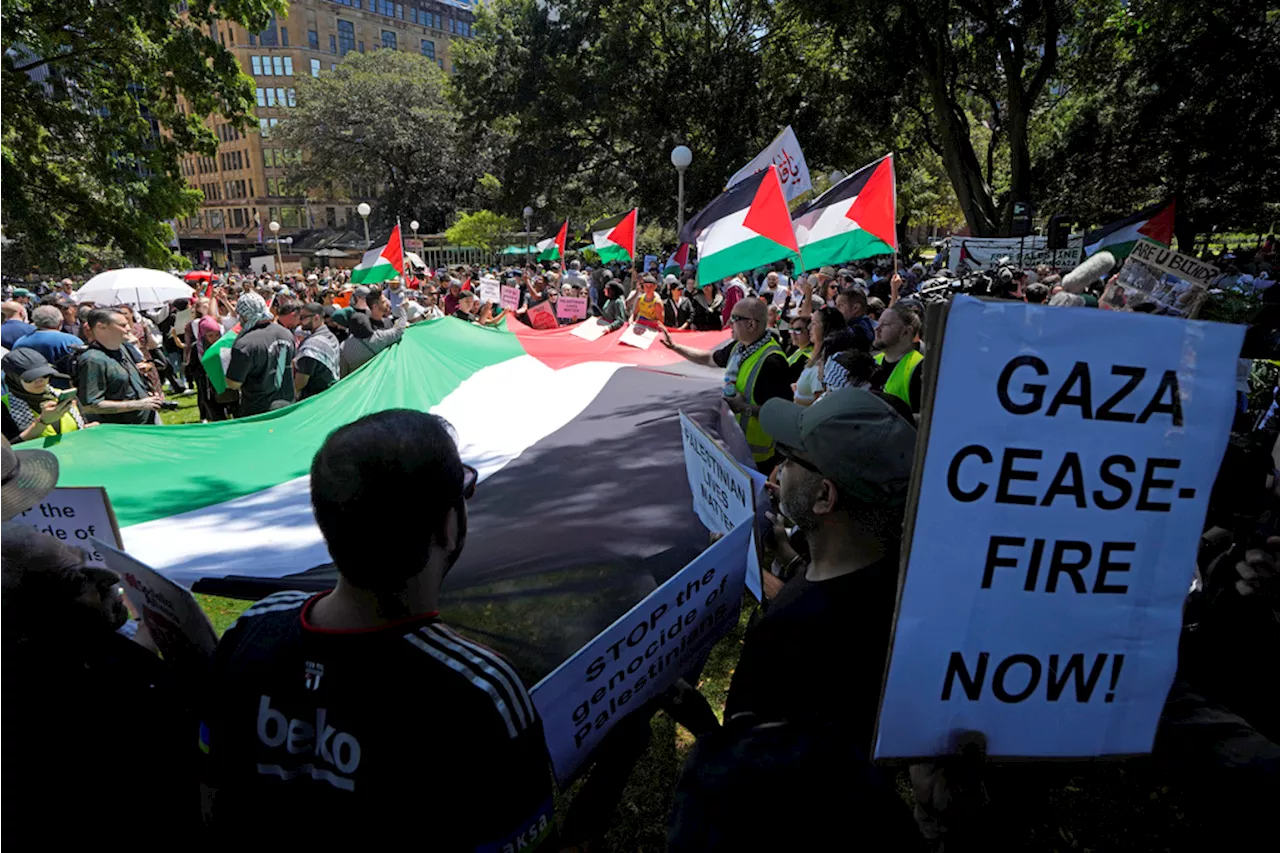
column 50, row 343
column 11, row 330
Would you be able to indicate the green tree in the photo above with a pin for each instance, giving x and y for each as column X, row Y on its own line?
column 957, row 64
column 102, row 100
column 385, row 119
column 591, row 96
column 482, row 229
column 1168, row 98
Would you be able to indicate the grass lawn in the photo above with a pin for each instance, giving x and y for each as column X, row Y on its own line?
column 186, row 413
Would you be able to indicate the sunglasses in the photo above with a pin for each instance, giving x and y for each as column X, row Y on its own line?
column 470, row 476
column 733, row 318
column 790, row 456
column 799, row 330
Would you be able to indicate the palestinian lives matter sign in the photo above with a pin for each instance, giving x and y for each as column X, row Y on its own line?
column 975, row 253
column 1060, row 504
column 76, row 515
column 1178, row 284
column 571, row 308
column 642, row 654
column 724, row 493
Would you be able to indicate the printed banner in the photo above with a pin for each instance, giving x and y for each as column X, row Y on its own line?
column 1061, row 500
column 1177, row 284
column 543, row 317
column 642, row 654
column 571, row 308
column 638, row 336
column 76, row 515
column 784, row 152
column 975, row 253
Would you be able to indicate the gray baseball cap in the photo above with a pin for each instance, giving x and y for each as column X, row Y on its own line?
column 853, row 438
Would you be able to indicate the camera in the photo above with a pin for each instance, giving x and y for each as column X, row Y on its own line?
column 168, row 406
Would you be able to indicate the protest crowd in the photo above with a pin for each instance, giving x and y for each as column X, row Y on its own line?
column 360, row 714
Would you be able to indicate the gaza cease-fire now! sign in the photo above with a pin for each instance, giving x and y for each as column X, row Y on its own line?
column 1068, row 467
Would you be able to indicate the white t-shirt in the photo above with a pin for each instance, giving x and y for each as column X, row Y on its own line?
column 808, row 386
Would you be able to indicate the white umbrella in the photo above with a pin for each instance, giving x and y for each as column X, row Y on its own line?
column 141, row 288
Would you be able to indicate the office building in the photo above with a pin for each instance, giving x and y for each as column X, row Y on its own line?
column 244, row 184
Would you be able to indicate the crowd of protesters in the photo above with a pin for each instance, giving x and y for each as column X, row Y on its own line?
column 341, row 713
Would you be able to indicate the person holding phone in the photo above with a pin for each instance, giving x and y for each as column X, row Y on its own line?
column 33, row 409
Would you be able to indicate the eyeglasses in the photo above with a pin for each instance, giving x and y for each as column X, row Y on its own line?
column 470, row 476
column 735, row 318
column 799, row 330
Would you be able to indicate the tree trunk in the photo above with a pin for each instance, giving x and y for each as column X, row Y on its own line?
column 1019, row 162
column 961, row 162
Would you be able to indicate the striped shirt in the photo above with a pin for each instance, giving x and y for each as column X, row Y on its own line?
column 409, row 727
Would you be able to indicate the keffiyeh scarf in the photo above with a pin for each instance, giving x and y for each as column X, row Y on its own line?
column 737, row 356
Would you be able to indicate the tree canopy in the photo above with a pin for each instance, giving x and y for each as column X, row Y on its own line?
column 482, row 229
column 385, row 118
column 102, row 100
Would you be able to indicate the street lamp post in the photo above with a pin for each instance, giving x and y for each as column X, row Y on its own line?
column 363, row 210
column 275, row 235
column 528, row 216
column 681, row 157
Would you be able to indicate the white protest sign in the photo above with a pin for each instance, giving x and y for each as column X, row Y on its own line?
column 571, row 308
column 1174, row 263
column 638, row 336
column 590, row 331
column 724, row 495
column 178, row 625
column 490, row 291
column 784, row 152
column 510, row 297
column 75, row 515
column 639, row 656
column 1026, row 252
column 1061, row 501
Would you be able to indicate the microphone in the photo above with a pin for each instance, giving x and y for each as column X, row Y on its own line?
column 1094, row 267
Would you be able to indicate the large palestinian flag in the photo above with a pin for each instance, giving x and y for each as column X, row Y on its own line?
column 614, row 239
column 746, row 226
column 1154, row 223
column 551, row 247
column 854, row 219
column 583, row 505
column 381, row 264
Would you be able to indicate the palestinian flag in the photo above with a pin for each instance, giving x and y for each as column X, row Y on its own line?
column 675, row 263
column 854, row 219
column 746, row 226
column 381, row 264
column 552, row 247
column 216, row 358
column 544, row 417
column 614, row 239
column 1155, row 223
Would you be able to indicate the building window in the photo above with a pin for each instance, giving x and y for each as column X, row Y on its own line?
column 293, row 98
column 331, row 217
column 413, row 14
column 400, row 11
column 315, row 68
column 346, row 37
column 289, row 216
column 250, row 188
column 237, row 217
column 313, row 39
column 271, row 97
column 266, row 157
column 255, row 62
column 268, row 37
column 264, row 127
column 387, row 8
column 284, row 36
column 288, row 66
column 262, row 98
column 389, row 39
column 333, row 43
column 277, row 62
column 253, row 40
column 360, row 46
column 271, row 187
column 428, row 50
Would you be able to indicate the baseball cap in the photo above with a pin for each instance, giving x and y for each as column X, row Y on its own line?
column 853, row 438
column 27, row 476
column 827, row 272
column 670, row 280
column 29, row 365
column 360, row 292
column 648, row 278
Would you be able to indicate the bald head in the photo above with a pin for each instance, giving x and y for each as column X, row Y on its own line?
column 750, row 320
column 13, row 311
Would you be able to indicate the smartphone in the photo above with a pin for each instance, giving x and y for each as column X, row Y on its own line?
column 65, row 394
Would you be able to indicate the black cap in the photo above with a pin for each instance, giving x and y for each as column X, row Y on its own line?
column 29, row 365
